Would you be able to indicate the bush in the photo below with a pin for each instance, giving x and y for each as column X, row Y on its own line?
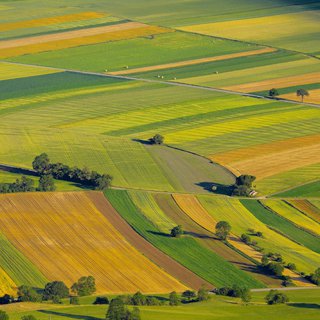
column 74, row 300
column 246, row 238
column 174, row 299
column 176, row 231
column 276, row 297
column 101, row 300
column 3, row 315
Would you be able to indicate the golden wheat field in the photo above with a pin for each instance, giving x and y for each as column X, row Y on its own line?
column 66, row 237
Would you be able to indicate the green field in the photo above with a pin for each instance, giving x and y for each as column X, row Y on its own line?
column 302, row 304
column 285, row 227
column 308, row 190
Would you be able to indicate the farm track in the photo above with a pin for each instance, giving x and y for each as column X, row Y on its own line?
column 178, row 84
column 146, row 248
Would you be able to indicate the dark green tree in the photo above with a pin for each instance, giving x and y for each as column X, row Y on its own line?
column 174, row 299
column 189, row 294
column 302, row 93
column 176, row 231
column 41, row 163
column 246, row 238
column 55, row 290
column 3, row 315
column 103, row 182
column 138, row 299
column 6, row 299
column 276, row 268
column 117, row 310
column 46, row 183
column 315, row 277
column 85, row 286
column 157, row 139
column 273, row 93
column 74, row 300
column 276, row 297
column 223, row 229
column 291, row 266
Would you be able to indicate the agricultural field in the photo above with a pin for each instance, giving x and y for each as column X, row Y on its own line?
column 172, row 101
column 80, row 225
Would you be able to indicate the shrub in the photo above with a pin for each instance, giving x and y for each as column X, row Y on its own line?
column 276, row 297
column 101, row 300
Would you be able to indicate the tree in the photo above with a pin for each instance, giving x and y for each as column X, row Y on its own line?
column 265, row 260
column 117, row 310
column 291, row 266
column 203, row 294
column 103, row 182
column 3, row 315
column 315, row 277
column 157, row 139
column 174, row 299
column 276, row 268
column 28, row 294
column 46, row 183
column 223, row 228
column 276, row 297
column 189, row 294
column 28, row 317
column 41, row 163
column 246, row 238
column 273, row 93
column 23, row 185
column 134, row 315
column 245, row 180
column 74, row 300
column 85, row 286
column 6, row 299
column 302, row 93
column 176, row 231
column 246, row 296
column 101, row 300
column 55, row 290
column 138, row 299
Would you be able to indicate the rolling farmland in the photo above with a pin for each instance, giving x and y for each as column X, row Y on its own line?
column 93, row 84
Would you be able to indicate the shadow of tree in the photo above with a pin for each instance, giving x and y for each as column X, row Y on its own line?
column 146, row 142
column 305, row 305
column 220, row 188
column 159, row 233
column 68, row 315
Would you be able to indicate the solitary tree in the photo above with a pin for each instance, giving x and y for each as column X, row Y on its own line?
column 203, row 294
column 46, row 183
column 273, row 93
column 177, row 231
column 84, row 286
column 223, row 228
column 276, row 297
column 302, row 93
column 157, row 139
column 174, row 299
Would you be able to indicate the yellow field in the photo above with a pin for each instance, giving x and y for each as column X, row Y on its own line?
column 293, row 215
column 314, row 96
column 13, row 71
column 49, row 21
column 219, row 129
column 276, row 83
column 66, row 237
column 195, row 61
column 139, row 31
column 7, row 286
column 267, row 29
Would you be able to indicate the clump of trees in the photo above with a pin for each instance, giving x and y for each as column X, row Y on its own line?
column 23, row 184
column 55, row 291
column 176, row 232
column 49, row 171
column 273, row 93
column 315, row 277
column 243, row 185
column 235, row 291
column 157, row 139
column 276, row 297
column 223, row 229
column 273, row 263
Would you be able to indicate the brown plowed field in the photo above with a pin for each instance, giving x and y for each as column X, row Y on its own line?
column 158, row 257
